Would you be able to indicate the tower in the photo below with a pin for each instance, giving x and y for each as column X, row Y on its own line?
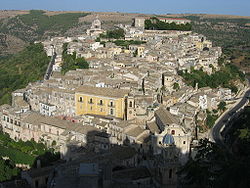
column 130, row 108
column 139, row 23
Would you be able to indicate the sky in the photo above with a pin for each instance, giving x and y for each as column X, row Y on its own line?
column 230, row 7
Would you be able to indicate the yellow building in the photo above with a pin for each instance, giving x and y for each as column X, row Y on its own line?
column 139, row 49
column 101, row 101
column 203, row 44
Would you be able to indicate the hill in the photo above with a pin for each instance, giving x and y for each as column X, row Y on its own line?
column 15, row 70
column 32, row 26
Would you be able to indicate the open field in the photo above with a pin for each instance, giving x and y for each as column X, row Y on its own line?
column 12, row 13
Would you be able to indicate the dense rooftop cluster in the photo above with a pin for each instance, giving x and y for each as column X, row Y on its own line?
column 128, row 109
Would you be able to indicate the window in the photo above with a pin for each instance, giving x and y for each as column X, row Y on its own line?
column 91, row 101
column 36, row 183
column 184, row 142
column 170, row 173
column 80, row 99
column 111, row 111
column 8, row 119
column 130, row 104
column 111, row 103
column 173, row 132
column 101, row 103
column 4, row 118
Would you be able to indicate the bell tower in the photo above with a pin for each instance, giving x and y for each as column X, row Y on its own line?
column 130, row 108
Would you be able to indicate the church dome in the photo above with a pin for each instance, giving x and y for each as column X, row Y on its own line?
column 168, row 139
column 96, row 24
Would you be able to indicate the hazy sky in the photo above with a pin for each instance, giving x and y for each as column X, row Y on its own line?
column 233, row 7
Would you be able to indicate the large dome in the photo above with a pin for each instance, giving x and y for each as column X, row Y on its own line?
column 168, row 139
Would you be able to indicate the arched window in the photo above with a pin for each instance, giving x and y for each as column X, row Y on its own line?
column 101, row 103
column 80, row 99
column 111, row 103
column 91, row 101
column 130, row 104
column 173, row 132
column 111, row 111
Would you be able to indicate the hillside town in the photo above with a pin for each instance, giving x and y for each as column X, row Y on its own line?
column 130, row 119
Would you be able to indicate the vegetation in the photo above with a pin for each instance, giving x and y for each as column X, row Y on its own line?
column 223, row 78
column 155, row 24
column 228, row 33
column 36, row 24
column 126, row 43
column 231, row 34
column 211, row 118
column 222, row 106
column 218, row 167
column 176, row 86
column 239, row 134
column 114, row 34
column 20, row 152
column 71, row 62
column 8, row 170
column 18, row 70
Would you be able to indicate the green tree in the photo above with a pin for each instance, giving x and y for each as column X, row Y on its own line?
column 71, row 62
column 7, row 170
column 222, row 106
column 176, row 86
column 18, row 70
column 114, row 34
column 155, row 24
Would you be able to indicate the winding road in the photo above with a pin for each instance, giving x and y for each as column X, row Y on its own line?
column 225, row 119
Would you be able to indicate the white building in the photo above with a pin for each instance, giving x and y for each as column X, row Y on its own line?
column 47, row 109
